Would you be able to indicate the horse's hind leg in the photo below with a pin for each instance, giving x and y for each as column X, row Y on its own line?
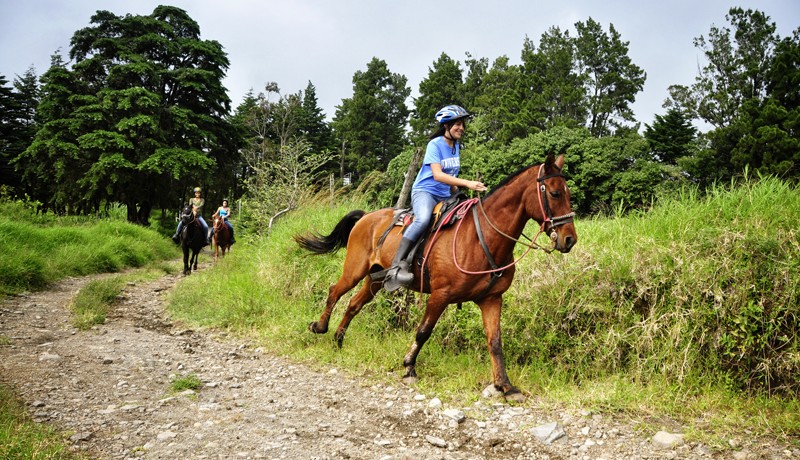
column 352, row 272
column 356, row 303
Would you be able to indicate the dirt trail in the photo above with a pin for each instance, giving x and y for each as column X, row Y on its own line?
column 107, row 390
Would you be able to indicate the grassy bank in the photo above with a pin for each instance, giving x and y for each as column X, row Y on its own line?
column 688, row 311
column 41, row 249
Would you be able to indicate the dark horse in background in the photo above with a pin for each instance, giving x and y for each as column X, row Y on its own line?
column 222, row 236
column 471, row 260
column 192, row 239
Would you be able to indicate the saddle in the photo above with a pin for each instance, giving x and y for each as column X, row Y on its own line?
column 444, row 215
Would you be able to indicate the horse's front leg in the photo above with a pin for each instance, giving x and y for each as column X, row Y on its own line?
column 186, row 269
column 491, row 307
column 433, row 311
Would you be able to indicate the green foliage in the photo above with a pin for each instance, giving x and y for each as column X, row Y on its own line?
column 48, row 248
column 188, row 381
column 22, row 438
column 609, row 75
column 671, row 136
column 372, row 122
column 694, row 291
column 137, row 118
column 90, row 307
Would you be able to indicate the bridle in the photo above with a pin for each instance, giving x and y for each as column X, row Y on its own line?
column 544, row 205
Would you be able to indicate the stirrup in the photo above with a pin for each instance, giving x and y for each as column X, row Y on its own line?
column 398, row 276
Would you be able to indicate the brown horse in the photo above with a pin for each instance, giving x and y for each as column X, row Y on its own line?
column 462, row 262
column 222, row 237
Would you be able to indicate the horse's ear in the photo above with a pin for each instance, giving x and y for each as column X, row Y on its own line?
column 548, row 162
column 560, row 162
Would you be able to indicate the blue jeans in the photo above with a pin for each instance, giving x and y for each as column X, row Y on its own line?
column 423, row 203
column 202, row 223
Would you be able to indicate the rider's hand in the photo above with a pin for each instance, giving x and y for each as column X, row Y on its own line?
column 476, row 186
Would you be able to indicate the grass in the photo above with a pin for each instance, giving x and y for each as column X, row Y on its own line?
column 22, row 438
column 185, row 382
column 46, row 249
column 687, row 312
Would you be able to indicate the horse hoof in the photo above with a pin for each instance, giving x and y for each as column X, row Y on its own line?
column 515, row 395
column 410, row 381
column 314, row 327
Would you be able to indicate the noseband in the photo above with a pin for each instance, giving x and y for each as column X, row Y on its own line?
column 549, row 223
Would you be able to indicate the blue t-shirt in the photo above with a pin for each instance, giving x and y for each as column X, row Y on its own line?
column 448, row 157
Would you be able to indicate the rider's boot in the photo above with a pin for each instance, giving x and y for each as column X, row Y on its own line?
column 176, row 238
column 233, row 240
column 399, row 273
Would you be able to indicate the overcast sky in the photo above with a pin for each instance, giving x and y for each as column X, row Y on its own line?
column 292, row 42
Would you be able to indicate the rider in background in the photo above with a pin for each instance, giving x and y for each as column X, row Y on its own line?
column 197, row 206
column 436, row 181
column 225, row 212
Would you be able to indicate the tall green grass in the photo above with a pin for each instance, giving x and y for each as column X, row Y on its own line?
column 689, row 310
column 38, row 250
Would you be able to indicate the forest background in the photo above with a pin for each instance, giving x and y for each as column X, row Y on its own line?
column 139, row 116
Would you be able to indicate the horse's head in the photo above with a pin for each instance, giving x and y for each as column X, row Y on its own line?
column 550, row 205
column 187, row 215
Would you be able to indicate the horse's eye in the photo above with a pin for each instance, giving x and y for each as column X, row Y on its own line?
column 555, row 193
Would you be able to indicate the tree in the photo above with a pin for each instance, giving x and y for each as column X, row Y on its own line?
column 372, row 123
column 313, row 126
column 611, row 79
column 736, row 70
column 138, row 119
column 671, row 136
column 561, row 93
column 498, row 120
column 442, row 86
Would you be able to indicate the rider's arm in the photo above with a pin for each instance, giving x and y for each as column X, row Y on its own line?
column 443, row 177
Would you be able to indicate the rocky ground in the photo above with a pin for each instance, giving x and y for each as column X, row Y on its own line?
column 108, row 390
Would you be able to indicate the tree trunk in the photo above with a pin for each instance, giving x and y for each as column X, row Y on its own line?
column 416, row 159
column 139, row 214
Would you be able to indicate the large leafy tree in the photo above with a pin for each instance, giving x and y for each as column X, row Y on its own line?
column 498, row 104
column 138, row 119
column 371, row 124
column 313, row 126
column 611, row 79
column 562, row 94
column 736, row 68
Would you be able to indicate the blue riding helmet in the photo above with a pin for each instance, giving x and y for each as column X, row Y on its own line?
column 451, row 113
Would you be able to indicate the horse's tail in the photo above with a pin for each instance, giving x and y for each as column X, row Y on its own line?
column 319, row 244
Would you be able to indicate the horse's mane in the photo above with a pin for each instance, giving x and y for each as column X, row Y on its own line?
column 508, row 179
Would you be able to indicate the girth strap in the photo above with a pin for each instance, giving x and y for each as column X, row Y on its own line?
column 496, row 274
